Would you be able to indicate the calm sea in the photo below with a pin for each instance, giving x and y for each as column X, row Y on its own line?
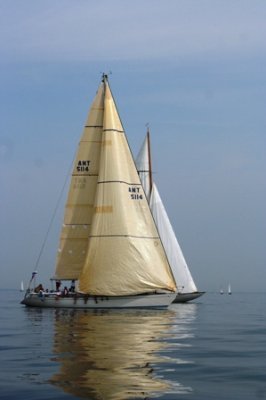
column 213, row 348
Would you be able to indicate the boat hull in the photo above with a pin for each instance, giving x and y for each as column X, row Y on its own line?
column 184, row 297
column 78, row 301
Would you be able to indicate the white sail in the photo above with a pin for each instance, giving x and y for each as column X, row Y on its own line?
column 22, row 286
column 229, row 289
column 183, row 277
column 143, row 163
column 181, row 272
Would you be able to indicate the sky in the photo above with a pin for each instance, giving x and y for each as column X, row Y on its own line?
column 193, row 69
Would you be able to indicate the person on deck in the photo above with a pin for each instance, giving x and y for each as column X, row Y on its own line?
column 72, row 287
column 39, row 288
column 65, row 291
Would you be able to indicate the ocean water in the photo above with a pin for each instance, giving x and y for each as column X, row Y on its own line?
column 212, row 348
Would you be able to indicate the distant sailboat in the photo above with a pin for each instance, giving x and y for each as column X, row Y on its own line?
column 109, row 242
column 186, row 288
column 22, row 286
column 229, row 291
column 221, row 291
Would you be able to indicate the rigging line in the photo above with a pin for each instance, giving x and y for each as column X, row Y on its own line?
column 54, row 213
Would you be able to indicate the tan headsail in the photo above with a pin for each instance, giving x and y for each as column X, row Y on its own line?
column 79, row 206
column 125, row 254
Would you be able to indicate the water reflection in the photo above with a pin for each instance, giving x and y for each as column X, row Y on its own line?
column 119, row 355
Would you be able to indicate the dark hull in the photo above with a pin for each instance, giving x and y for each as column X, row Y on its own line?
column 184, row 297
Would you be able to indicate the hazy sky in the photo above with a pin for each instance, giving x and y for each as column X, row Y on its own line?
column 195, row 70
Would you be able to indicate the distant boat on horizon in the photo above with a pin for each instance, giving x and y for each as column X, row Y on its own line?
column 22, row 286
column 221, row 291
column 229, row 291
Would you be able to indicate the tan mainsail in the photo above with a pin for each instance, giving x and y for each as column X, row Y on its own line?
column 125, row 254
column 80, row 203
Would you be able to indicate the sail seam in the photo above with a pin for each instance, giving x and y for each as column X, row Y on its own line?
column 85, row 174
column 76, row 224
column 112, row 130
column 93, row 126
column 132, row 236
column 72, row 239
column 126, row 183
column 90, row 141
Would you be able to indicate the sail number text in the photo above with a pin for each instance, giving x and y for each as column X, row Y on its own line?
column 83, row 165
column 135, row 193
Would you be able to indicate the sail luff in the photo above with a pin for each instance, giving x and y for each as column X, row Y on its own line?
column 125, row 254
column 143, row 165
column 149, row 160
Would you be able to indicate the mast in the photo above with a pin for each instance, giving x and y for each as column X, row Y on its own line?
column 143, row 164
column 149, row 160
column 104, row 81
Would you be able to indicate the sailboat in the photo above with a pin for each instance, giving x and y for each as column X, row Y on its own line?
column 229, row 291
column 186, row 288
column 21, row 286
column 109, row 244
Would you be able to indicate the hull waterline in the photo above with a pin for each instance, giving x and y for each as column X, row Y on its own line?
column 160, row 300
column 184, row 297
